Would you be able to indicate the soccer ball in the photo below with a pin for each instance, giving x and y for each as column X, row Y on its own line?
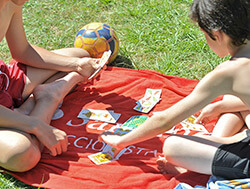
column 96, row 38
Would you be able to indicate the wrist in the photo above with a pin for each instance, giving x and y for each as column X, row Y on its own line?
column 77, row 65
column 220, row 107
column 32, row 126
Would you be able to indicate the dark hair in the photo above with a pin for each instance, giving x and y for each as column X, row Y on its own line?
column 230, row 16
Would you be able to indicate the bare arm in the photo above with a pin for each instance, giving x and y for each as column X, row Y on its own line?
column 54, row 139
column 211, row 86
column 229, row 103
column 34, row 56
column 15, row 120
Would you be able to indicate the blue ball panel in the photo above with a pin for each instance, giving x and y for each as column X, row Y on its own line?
column 106, row 25
column 90, row 34
column 112, row 46
column 104, row 33
column 80, row 32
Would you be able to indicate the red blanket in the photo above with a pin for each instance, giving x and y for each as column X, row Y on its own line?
column 117, row 89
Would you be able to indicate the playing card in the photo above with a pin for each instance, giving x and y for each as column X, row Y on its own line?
column 99, row 115
column 134, row 121
column 108, row 153
column 150, row 99
column 190, row 124
column 122, row 131
column 100, row 158
column 153, row 93
column 104, row 59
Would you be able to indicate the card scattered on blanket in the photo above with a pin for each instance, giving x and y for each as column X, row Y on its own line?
column 134, row 121
column 104, row 59
column 190, row 124
column 150, row 99
column 108, row 116
column 108, row 153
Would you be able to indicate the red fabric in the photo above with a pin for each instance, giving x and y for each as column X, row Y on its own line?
column 117, row 89
column 11, row 96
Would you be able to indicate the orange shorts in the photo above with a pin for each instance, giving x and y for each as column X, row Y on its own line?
column 12, row 82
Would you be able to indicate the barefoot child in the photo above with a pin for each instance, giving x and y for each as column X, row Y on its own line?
column 226, row 26
column 42, row 79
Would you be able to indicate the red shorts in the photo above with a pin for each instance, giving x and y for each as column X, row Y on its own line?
column 12, row 82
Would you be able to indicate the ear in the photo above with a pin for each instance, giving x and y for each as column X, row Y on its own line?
column 218, row 35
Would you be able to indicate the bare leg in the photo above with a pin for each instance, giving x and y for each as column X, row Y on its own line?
column 228, row 125
column 166, row 167
column 29, row 103
column 20, row 151
column 192, row 153
column 45, row 76
column 17, row 146
column 51, row 94
column 246, row 117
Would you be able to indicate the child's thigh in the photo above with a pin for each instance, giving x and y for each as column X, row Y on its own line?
column 228, row 124
column 34, row 77
column 246, row 117
column 16, row 148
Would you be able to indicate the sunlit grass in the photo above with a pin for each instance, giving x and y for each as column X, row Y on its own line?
column 154, row 34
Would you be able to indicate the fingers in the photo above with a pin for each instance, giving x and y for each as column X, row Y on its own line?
column 60, row 147
column 100, row 137
column 202, row 119
column 199, row 119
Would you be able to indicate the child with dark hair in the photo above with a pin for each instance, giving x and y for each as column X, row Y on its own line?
column 225, row 24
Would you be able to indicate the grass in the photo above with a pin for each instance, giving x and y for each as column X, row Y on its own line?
column 154, row 34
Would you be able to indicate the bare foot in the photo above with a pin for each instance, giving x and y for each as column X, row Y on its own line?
column 27, row 106
column 58, row 89
column 49, row 95
column 167, row 168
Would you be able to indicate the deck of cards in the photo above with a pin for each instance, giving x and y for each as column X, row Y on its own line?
column 108, row 153
column 104, row 59
column 108, row 116
column 150, row 99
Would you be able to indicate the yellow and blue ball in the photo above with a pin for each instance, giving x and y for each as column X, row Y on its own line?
column 96, row 38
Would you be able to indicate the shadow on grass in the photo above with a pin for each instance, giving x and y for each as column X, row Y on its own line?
column 123, row 62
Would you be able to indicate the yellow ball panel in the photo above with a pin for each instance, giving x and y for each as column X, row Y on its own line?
column 89, row 41
column 78, row 42
column 90, row 50
column 101, row 45
column 94, row 26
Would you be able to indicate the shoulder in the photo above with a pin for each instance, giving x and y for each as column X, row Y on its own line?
column 11, row 7
column 234, row 67
column 237, row 71
column 9, row 10
column 230, row 77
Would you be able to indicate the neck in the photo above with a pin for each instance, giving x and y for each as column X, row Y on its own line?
column 242, row 51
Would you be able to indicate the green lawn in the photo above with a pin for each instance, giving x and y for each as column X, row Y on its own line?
column 154, row 34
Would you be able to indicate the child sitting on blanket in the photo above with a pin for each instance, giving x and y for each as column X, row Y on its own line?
column 48, row 76
column 226, row 26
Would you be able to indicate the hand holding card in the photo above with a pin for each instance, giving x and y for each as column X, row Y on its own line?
column 104, row 59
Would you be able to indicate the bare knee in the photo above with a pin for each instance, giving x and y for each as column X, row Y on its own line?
column 170, row 147
column 21, row 154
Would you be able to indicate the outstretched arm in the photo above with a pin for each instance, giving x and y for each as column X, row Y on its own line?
column 211, row 86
